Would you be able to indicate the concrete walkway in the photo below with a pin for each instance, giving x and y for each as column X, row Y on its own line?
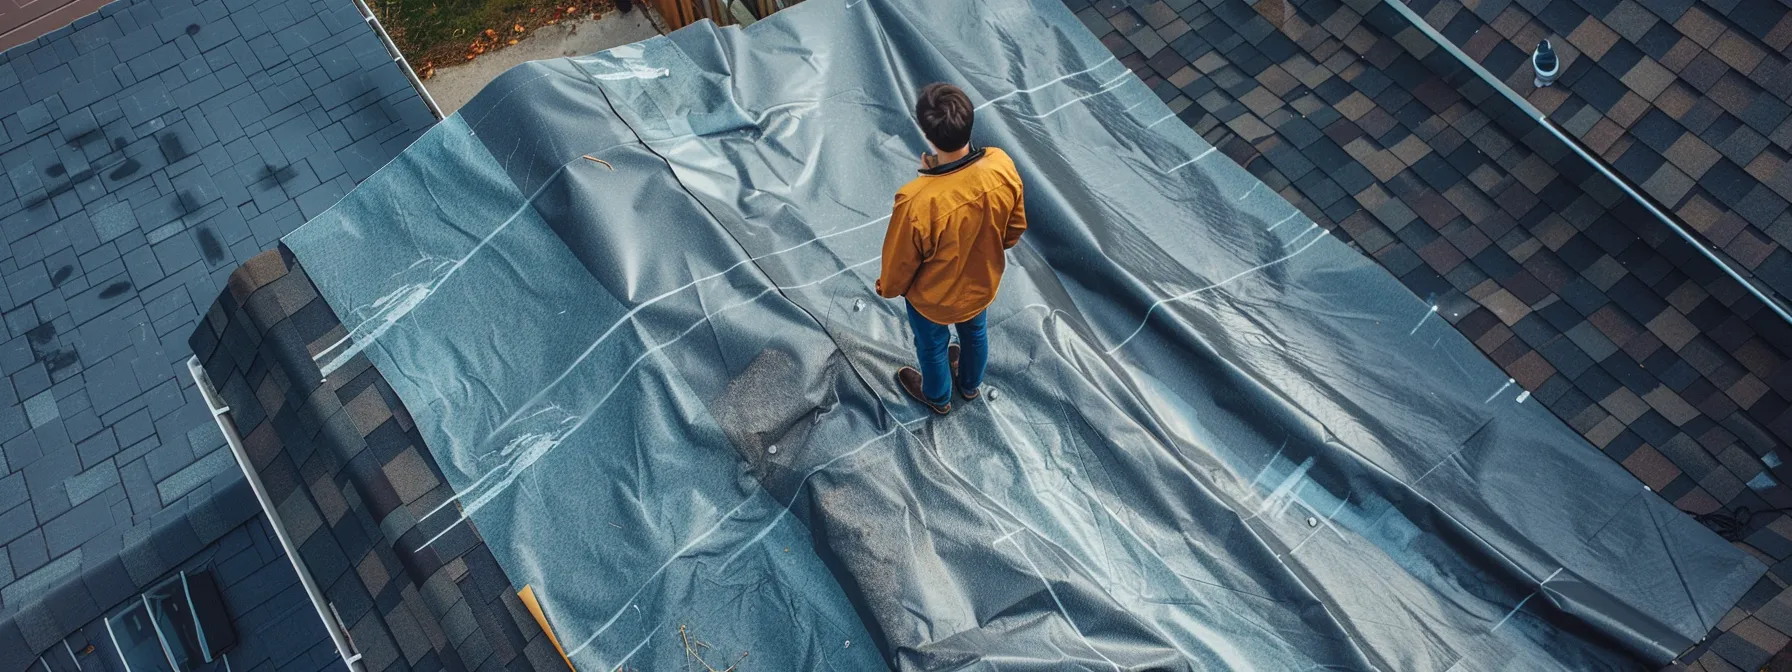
column 453, row 86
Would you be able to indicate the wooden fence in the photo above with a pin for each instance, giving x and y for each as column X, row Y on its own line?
column 680, row 13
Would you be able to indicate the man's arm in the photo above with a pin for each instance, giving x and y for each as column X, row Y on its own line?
column 1017, row 218
column 902, row 257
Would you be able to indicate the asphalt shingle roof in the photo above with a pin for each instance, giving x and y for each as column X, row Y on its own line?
column 1586, row 300
column 148, row 150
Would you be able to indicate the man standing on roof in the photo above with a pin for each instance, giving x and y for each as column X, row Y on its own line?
column 944, row 249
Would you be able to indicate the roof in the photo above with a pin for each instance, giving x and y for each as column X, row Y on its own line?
column 1690, row 100
column 150, row 149
column 1191, row 380
column 1578, row 294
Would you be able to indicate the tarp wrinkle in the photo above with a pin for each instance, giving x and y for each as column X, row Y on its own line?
column 1213, row 436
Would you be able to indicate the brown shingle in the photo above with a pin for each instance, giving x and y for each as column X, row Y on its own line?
column 1496, row 335
column 1766, row 166
column 1531, row 370
column 1670, row 405
column 1261, row 101
column 1603, row 433
column 1470, row 240
column 1681, row 54
column 1534, row 172
column 1377, row 122
column 1410, row 149
column 1668, row 184
column 1616, row 151
column 1486, row 177
column 1212, row 61
column 1510, row 21
column 1592, row 37
column 1554, row 231
column 1699, row 26
column 1648, row 79
column 1692, row 155
column 1624, row 405
column 1383, row 164
column 1759, row 634
column 1642, row 345
column 1673, row 328
column 1602, row 136
column 1546, row 99
column 1677, row 99
column 1686, row 298
column 1699, row 213
column 1506, row 306
column 1746, row 390
column 1520, row 246
column 1628, row 109
column 1697, row 502
column 1737, row 51
column 1605, row 272
column 1781, row 36
column 1183, row 77
column 1441, row 256
column 1750, row 247
column 1651, row 467
column 1614, row 323
column 1482, row 44
column 1371, row 197
column 1531, row 34
column 1733, row 92
column 1726, row 228
column 1760, row 358
column 1277, row 80
column 1355, row 106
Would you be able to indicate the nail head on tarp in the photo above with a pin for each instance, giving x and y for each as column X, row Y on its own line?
column 772, row 449
column 858, row 305
column 1312, row 522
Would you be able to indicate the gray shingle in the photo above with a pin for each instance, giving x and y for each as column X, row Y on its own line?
column 185, row 480
column 87, row 484
column 85, row 521
column 41, row 408
column 160, row 95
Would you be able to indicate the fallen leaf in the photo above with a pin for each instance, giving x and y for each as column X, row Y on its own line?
column 513, row 41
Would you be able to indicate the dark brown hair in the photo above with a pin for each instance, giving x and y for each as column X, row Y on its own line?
column 945, row 116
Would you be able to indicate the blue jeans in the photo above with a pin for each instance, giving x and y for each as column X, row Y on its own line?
column 930, row 348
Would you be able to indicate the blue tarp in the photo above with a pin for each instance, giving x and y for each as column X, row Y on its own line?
column 628, row 298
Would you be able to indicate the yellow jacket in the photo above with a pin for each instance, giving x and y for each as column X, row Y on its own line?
column 950, row 225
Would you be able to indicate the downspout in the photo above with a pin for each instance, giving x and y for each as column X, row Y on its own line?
column 397, row 57
column 326, row 612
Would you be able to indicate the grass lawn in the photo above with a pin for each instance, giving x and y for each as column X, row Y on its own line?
column 440, row 33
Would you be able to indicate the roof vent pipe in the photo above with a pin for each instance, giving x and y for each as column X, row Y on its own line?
column 1544, row 61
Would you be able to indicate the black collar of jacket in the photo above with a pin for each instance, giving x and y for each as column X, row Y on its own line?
column 976, row 153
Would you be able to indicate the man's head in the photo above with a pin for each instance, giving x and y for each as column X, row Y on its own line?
column 945, row 116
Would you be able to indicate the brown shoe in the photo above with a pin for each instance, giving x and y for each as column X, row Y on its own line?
column 909, row 379
column 952, row 358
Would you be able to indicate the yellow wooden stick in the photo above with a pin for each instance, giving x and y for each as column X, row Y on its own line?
column 528, row 595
